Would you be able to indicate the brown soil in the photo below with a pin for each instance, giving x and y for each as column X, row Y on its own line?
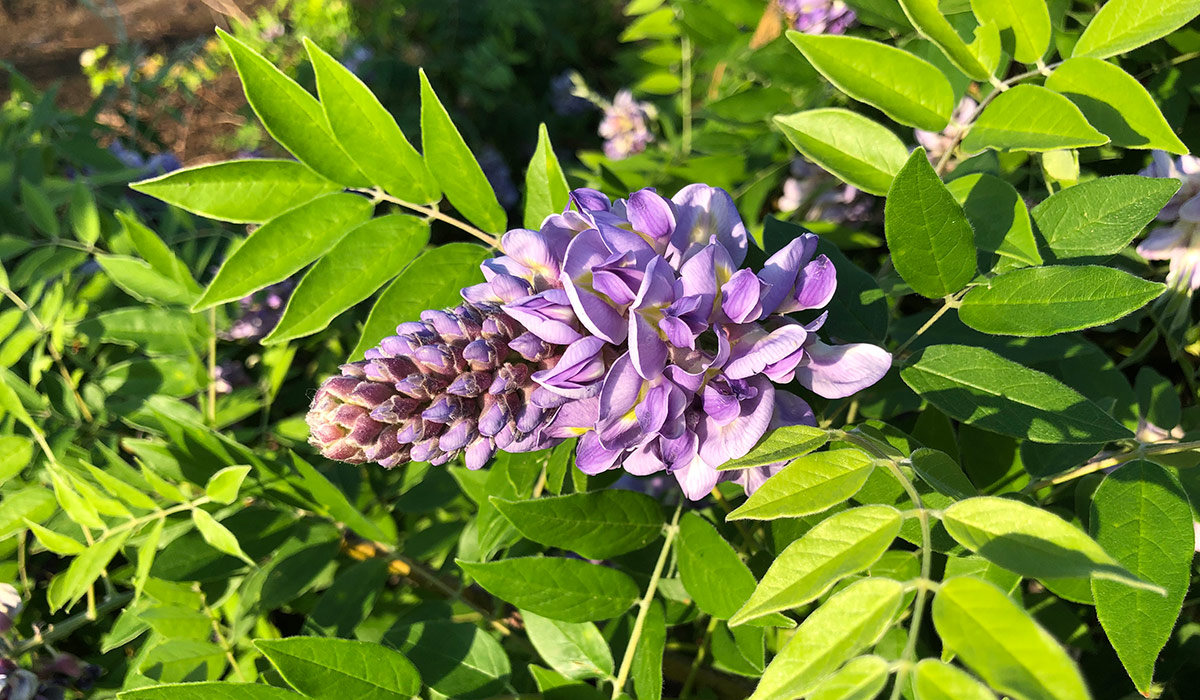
column 43, row 39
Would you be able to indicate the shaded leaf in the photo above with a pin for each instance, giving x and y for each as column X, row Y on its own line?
column 1102, row 216
column 561, row 589
column 334, row 667
column 594, row 525
column 781, row 444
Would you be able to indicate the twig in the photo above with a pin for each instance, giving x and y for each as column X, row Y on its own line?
column 1110, row 462
column 644, row 605
column 432, row 213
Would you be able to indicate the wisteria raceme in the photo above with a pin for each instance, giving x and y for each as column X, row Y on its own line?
column 625, row 127
column 625, row 324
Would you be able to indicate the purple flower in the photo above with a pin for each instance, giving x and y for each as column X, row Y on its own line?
column 10, row 606
column 1179, row 241
column 822, row 197
column 625, row 324
column 260, row 312
column 624, row 128
column 818, row 16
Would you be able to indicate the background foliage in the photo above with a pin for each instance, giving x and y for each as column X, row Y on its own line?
column 1009, row 513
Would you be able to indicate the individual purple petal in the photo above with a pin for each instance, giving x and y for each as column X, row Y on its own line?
column 652, row 216
column 722, row 398
column 619, row 277
column 781, row 270
column 617, row 424
column 592, row 457
column 816, row 285
column 740, row 297
column 587, row 251
column 791, row 410
column 646, row 347
column 578, row 372
column 531, row 249
column 751, row 479
column 547, row 315
column 841, row 370
column 721, row 443
column 696, row 478
column 574, row 419
column 679, row 450
column 705, row 215
column 757, row 349
column 644, row 460
column 586, row 199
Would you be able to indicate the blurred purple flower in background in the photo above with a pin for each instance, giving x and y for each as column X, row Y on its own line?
column 1178, row 242
column 625, row 128
column 625, row 324
column 499, row 176
column 260, row 312
column 563, row 94
column 824, row 196
column 936, row 143
column 818, row 16
column 152, row 166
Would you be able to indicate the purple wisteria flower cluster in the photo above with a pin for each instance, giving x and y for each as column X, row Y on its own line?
column 627, row 325
column 1178, row 241
column 625, row 127
column 818, row 16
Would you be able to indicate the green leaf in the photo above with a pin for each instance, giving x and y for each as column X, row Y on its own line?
column 931, row 241
column 455, row 167
column 324, row 668
column 223, row 486
column 432, row 281
column 145, row 556
column 1026, row 22
column 152, row 330
column 16, row 452
column 937, row 680
column 978, row 61
column 1115, row 103
column 594, row 525
column 712, row 573
column 860, row 679
column 782, row 444
column 70, row 585
column 349, row 600
column 648, row 654
column 75, row 506
column 34, row 503
column 241, row 191
column 1002, row 643
column 368, row 133
column 1102, row 216
column 1141, row 516
column 291, row 116
column 154, row 251
column 942, row 473
column 39, row 209
column 211, row 690
column 328, row 499
column 987, row 201
column 546, row 189
column 142, row 282
column 285, row 244
column 456, row 660
column 977, row 386
column 1158, row 400
column 1031, row 118
column 218, row 536
column 850, row 621
column 861, row 152
column 908, row 89
column 843, row 544
column 575, row 649
column 1123, row 25
column 358, row 265
column 1030, row 541
column 1039, row 301
column 55, row 541
column 811, row 484
column 561, row 589
column 85, row 219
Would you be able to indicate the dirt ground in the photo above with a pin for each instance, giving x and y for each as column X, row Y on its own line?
column 44, row 38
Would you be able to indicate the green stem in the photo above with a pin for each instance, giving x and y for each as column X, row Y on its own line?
column 914, row 627
column 69, row 625
column 212, row 367
column 644, row 605
column 950, row 302
column 379, row 195
column 1113, row 461
column 699, row 661
column 685, row 49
